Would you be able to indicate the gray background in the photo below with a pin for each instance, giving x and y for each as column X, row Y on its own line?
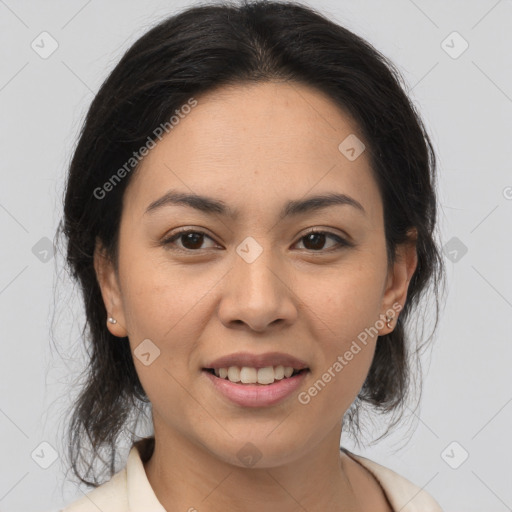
column 466, row 102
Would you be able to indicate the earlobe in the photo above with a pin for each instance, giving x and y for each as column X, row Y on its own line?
column 400, row 275
column 110, row 292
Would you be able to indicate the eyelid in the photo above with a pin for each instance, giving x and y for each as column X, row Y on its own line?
column 343, row 241
column 329, row 231
column 169, row 239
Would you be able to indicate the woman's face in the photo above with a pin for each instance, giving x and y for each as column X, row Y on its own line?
column 250, row 280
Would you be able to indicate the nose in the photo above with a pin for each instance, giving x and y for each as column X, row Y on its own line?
column 258, row 294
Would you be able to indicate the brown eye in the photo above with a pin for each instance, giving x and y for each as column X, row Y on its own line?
column 190, row 240
column 315, row 241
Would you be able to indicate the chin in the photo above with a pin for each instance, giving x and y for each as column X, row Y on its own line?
column 259, row 451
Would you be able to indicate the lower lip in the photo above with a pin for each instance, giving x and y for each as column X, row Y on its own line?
column 257, row 395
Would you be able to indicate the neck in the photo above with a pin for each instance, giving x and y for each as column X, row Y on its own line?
column 185, row 476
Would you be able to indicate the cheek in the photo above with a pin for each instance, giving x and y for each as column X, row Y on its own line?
column 346, row 345
column 165, row 306
column 343, row 312
column 169, row 305
column 347, row 301
column 159, row 297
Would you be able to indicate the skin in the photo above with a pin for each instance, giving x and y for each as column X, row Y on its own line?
column 254, row 147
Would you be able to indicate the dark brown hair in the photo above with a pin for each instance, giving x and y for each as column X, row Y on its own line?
column 198, row 50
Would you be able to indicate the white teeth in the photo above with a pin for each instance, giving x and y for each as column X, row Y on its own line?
column 234, row 374
column 266, row 375
column 248, row 375
column 279, row 372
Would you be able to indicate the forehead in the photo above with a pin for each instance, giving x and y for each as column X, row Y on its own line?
column 257, row 142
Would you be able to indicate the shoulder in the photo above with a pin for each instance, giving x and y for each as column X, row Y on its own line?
column 111, row 496
column 129, row 489
column 402, row 494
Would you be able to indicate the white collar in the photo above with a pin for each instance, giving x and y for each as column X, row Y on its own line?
column 140, row 497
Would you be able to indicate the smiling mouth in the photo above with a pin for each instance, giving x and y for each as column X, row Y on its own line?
column 255, row 376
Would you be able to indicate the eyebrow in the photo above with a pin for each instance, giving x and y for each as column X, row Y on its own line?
column 214, row 206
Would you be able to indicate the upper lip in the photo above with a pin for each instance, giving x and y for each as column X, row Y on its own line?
column 257, row 361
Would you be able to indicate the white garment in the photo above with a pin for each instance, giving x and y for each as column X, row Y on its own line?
column 129, row 490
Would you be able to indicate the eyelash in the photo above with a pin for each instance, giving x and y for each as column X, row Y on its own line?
column 342, row 243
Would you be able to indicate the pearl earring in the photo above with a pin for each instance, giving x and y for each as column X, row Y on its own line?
column 388, row 321
column 112, row 320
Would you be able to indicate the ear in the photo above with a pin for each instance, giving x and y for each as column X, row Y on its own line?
column 110, row 290
column 399, row 276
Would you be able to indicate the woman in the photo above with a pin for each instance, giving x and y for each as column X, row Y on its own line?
column 250, row 213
